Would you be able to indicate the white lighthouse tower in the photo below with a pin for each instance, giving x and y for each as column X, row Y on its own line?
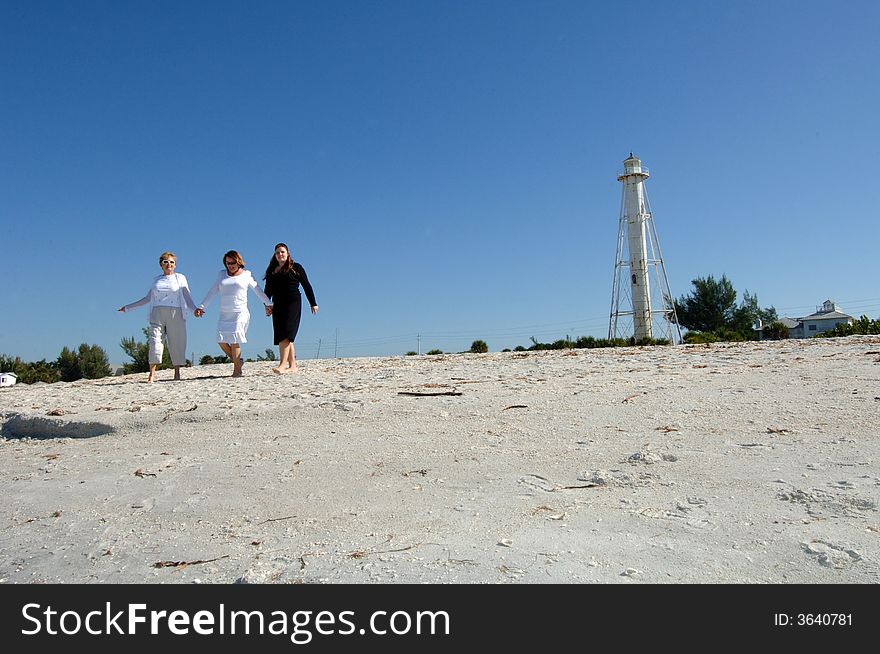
column 641, row 302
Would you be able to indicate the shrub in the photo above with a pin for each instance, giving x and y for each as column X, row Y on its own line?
column 268, row 356
column 863, row 325
column 88, row 361
column 776, row 331
column 479, row 347
column 93, row 362
column 700, row 337
column 30, row 372
column 208, row 360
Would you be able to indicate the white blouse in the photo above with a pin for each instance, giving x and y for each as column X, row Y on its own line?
column 233, row 292
column 167, row 291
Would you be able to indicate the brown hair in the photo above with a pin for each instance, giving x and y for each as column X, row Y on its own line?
column 235, row 256
column 274, row 267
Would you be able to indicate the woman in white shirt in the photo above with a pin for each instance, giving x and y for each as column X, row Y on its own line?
column 169, row 301
column 232, row 325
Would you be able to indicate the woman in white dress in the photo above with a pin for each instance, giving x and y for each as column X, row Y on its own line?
column 169, row 301
column 232, row 325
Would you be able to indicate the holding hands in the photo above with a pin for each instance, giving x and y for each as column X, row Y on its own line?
column 268, row 309
column 198, row 313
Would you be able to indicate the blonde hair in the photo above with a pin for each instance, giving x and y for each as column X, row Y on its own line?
column 165, row 255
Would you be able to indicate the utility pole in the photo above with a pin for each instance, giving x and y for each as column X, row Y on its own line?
column 336, row 344
column 318, row 353
column 419, row 339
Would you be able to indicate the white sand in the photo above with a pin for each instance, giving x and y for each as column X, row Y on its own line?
column 747, row 463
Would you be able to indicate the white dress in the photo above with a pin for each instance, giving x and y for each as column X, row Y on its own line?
column 232, row 325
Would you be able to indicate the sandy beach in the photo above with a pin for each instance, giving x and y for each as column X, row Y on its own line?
column 735, row 463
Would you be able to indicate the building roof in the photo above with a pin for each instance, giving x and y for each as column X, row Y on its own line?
column 9, row 374
column 791, row 323
column 827, row 315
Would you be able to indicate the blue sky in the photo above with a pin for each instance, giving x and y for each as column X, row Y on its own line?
column 440, row 168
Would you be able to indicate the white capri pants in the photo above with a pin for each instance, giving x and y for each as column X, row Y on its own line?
column 167, row 322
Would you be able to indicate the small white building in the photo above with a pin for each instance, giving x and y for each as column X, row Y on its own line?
column 8, row 379
column 827, row 317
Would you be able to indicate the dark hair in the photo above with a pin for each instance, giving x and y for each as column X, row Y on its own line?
column 273, row 266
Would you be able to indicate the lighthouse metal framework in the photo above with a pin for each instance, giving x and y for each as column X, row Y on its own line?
column 641, row 302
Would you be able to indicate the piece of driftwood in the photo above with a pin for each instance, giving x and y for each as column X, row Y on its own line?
column 590, row 485
column 421, row 471
column 57, row 514
column 420, row 394
column 182, row 564
column 288, row 517
column 360, row 554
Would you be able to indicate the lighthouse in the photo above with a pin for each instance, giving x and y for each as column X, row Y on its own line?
column 641, row 303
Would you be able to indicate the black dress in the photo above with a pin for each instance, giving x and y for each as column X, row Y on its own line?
column 283, row 289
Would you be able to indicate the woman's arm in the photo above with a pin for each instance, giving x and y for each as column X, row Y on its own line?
column 134, row 305
column 184, row 290
column 211, row 293
column 269, row 287
column 259, row 291
column 307, row 287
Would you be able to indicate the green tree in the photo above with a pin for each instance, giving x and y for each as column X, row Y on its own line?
column 93, row 362
column 39, row 371
column 479, row 347
column 710, row 306
column 269, row 356
column 711, row 310
column 434, row 352
column 88, row 361
column 776, row 331
column 67, row 364
column 748, row 313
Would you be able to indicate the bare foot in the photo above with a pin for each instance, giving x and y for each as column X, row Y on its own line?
column 278, row 371
column 177, row 377
column 150, row 379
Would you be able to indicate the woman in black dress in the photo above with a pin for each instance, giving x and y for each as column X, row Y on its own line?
column 283, row 278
